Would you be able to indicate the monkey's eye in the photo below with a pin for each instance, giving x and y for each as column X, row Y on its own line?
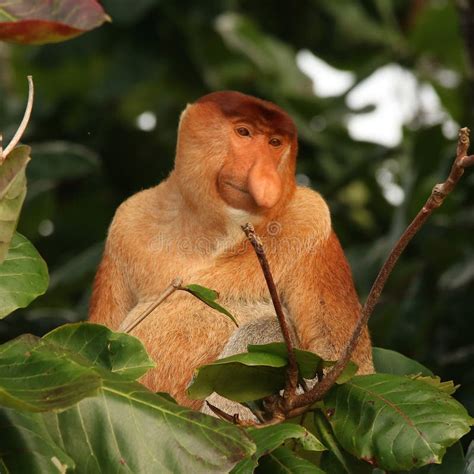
column 276, row 142
column 243, row 131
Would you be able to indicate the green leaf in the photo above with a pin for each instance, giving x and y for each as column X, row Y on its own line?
column 256, row 374
column 208, row 297
column 435, row 381
column 395, row 422
column 38, row 376
column 241, row 377
column 12, row 194
column 308, row 363
column 285, row 461
column 271, row 437
column 42, row 21
column 129, row 429
column 391, row 362
column 453, row 462
column 28, row 446
column 124, row 428
column 118, row 352
column 23, row 276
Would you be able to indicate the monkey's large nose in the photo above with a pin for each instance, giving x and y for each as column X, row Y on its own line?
column 264, row 183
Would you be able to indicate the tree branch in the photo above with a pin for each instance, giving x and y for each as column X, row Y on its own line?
column 130, row 323
column 437, row 197
column 292, row 371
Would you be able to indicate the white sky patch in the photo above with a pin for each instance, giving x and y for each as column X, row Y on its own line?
column 146, row 121
column 398, row 99
column 395, row 93
column 327, row 80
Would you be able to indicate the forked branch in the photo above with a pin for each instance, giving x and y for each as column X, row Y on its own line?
column 437, row 197
column 292, row 404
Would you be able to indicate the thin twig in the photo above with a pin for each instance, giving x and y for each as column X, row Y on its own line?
column 24, row 123
column 130, row 323
column 437, row 197
column 292, row 371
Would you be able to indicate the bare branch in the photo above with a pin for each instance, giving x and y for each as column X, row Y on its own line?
column 24, row 123
column 292, row 371
column 437, row 197
column 130, row 323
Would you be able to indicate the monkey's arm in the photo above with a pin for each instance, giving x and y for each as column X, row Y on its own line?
column 112, row 297
column 322, row 301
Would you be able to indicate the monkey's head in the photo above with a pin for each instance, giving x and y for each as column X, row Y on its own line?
column 240, row 149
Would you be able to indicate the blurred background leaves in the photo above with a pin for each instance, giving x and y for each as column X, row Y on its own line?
column 104, row 127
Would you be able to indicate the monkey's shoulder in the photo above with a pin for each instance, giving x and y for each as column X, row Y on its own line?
column 143, row 212
column 307, row 214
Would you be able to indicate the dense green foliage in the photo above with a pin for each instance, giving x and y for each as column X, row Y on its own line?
column 156, row 56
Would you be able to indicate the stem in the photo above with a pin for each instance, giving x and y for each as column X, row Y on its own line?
column 131, row 323
column 437, row 197
column 292, row 371
column 24, row 123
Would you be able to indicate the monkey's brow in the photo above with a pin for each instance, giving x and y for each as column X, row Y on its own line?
column 260, row 125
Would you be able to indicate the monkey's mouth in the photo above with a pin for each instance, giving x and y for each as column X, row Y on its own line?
column 237, row 187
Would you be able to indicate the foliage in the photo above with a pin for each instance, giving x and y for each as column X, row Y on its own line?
column 23, row 276
column 84, row 409
column 73, row 396
column 258, row 373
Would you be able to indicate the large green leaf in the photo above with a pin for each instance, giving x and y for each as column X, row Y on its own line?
column 392, row 362
column 23, row 276
column 12, row 194
column 43, row 21
column 28, row 446
column 118, row 352
column 241, row 377
column 395, row 422
column 271, row 437
column 285, row 461
column 256, row 374
column 38, row 376
column 124, row 428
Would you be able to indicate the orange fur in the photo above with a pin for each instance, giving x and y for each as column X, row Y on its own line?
column 188, row 226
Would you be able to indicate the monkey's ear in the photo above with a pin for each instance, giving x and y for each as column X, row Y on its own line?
column 183, row 114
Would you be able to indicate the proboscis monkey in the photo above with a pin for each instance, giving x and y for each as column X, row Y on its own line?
column 235, row 163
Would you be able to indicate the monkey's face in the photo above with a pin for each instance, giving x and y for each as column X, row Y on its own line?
column 258, row 166
column 239, row 149
column 251, row 176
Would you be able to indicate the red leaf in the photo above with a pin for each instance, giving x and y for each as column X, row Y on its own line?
column 48, row 21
